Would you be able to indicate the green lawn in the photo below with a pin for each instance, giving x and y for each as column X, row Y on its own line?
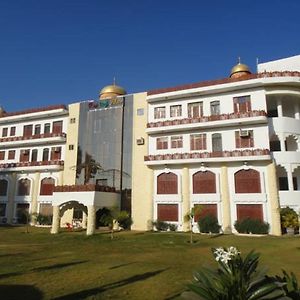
column 70, row 265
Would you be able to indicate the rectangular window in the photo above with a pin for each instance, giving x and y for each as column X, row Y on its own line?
column 55, row 153
column 34, row 155
column 2, row 155
column 241, row 104
column 45, row 154
column 283, row 183
column 162, row 143
column 140, row 111
column 11, row 154
column 215, row 108
column 24, row 155
column 217, row 142
column 27, row 130
column 57, row 127
column 198, row 141
column 167, row 212
column 37, row 129
column 252, row 211
column 2, row 209
column 47, row 127
column 175, row 111
column 71, row 147
column 12, row 131
column 195, row 109
column 4, row 132
column 101, row 182
column 159, row 112
column 176, row 141
column 244, row 139
column 72, row 120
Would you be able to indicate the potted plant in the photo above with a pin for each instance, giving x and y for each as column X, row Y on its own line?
column 289, row 220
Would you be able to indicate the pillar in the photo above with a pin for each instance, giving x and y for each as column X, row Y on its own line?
column 55, row 220
column 84, row 219
column 91, row 220
column 225, row 198
column 12, row 183
column 35, row 194
column 282, row 142
column 186, row 203
column 279, row 108
column 273, row 199
column 290, row 177
column 297, row 111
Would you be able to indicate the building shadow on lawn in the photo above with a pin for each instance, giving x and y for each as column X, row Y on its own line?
column 92, row 292
column 58, row 266
column 16, row 292
column 122, row 265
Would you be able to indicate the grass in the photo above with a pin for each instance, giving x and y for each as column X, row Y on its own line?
column 134, row 265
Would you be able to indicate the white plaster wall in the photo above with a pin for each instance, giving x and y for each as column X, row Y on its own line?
column 226, row 103
column 285, row 64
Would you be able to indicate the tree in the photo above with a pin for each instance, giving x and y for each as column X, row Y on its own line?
column 189, row 217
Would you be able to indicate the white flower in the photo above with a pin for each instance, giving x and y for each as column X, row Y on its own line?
column 224, row 256
column 233, row 251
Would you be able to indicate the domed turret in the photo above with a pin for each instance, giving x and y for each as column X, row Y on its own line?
column 239, row 70
column 111, row 91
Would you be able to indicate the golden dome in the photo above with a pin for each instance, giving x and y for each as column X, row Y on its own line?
column 240, row 68
column 111, row 90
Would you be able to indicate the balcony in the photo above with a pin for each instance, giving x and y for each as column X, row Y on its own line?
column 36, row 139
column 284, row 125
column 284, row 157
column 32, row 165
column 235, row 155
column 215, row 121
column 84, row 188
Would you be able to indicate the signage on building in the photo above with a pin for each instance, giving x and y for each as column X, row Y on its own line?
column 106, row 103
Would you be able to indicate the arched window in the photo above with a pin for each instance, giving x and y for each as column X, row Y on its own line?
column 247, row 181
column 24, row 187
column 3, row 187
column 167, row 183
column 47, row 186
column 204, row 183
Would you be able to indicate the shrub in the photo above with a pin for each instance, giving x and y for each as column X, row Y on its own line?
column 288, row 218
column 209, row 224
column 239, row 278
column 124, row 219
column 249, row 225
column 160, row 225
column 172, row 227
column 43, row 219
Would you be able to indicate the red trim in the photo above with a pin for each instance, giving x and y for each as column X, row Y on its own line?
column 223, row 81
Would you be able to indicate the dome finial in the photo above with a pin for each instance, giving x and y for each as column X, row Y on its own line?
column 239, row 59
column 114, row 80
column 239, row 70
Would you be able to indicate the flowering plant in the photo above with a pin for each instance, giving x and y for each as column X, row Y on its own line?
column 239, row 278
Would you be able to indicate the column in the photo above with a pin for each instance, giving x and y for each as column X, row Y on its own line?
column 297, row 111
column 225, row 198
column 56, row 220
column 282, row 142
column 91, row 220
column 12, row 183
column 186, row 203
column 279, row 108
column 290, row 177
column 35, row 192
column 84, row 219
column 273, row 199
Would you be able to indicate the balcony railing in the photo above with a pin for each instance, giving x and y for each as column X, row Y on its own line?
column 32, row 137
column 84, row 188
column 221, row 117
column 32, row 164
column 195, row 155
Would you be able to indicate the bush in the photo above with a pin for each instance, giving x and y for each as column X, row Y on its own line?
column 124, row 219
column 172, row 227
column 43, row 219
column 209, row 224
column 288, row 218
column 249, row 225
column 160, row 225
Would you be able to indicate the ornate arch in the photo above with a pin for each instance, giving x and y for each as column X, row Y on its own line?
column 167, row 183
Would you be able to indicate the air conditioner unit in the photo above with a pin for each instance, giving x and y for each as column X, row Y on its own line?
column 25, row 152
column 140, row 141
column 244, row 133
column 57, row 149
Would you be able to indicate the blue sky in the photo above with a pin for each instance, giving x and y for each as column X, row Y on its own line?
column 62, row 51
